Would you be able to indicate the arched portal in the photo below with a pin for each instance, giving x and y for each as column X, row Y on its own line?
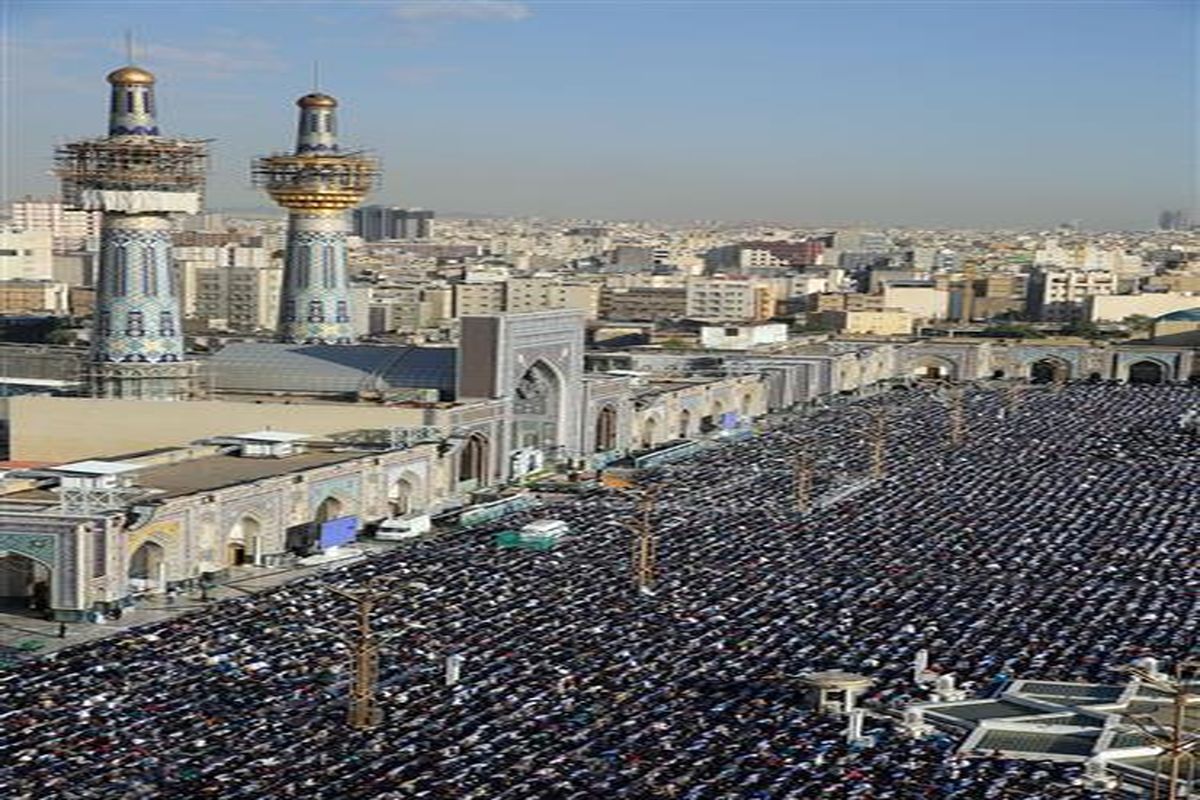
column 1049, row 370
column 536, row 402
column 473, row 460
column 400, row 496
column 148, row 569
column 1146, row 372
column 245, row 542
column 606, row 429
column 330, row 508
column 685, row 424
column 932, row 368
column 24, row 583
column 649, row 432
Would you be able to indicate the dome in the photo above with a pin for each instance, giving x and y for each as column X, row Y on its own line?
column 1186, row 315
column 316, row 100
column 127, row 75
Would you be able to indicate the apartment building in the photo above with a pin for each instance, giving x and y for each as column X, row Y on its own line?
column 731, row 299
column 70, row 229
column 26, row 255
column 20, row 296
column 643, row 302
column 1060, row 295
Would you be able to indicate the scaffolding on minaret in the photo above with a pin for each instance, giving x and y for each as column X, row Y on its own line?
column 137, row 178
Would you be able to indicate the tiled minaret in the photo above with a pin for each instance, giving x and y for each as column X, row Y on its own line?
column 317, row 184
column 136, row 178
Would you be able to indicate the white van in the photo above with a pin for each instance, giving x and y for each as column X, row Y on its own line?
column 544, row 530
column 400, row 528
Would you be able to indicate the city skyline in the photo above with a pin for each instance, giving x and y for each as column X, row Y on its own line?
column 885, row 114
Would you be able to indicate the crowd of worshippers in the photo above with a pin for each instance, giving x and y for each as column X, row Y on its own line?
column 1050, row 544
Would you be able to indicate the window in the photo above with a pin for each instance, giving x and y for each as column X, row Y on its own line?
column 166, row 324
column 134, row 325
column 316, row 311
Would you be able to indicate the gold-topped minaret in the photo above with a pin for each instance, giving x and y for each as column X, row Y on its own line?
column 317, row 184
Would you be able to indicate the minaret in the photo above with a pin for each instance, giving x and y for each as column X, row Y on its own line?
column 136, row 178
column 317, row 184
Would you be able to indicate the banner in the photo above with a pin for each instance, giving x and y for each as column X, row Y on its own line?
column 338, row 531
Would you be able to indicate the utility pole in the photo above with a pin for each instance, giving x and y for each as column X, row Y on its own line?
column 1175, row 741
column 804, row 479
column 645, row 544
column 364, row 713
column 877, row 441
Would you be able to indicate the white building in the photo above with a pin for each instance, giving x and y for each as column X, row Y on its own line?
column 71, row 229
column 25, row 254
column 742, row 337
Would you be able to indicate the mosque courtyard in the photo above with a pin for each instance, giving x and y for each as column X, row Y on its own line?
column 1055, row 541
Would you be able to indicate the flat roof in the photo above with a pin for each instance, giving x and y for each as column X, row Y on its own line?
column 215, row 472
column 96, row 467
column 271, row 436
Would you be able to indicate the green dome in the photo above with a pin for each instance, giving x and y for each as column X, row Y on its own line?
column 1186, row 315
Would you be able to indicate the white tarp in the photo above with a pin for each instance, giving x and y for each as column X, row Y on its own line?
column 135, row 202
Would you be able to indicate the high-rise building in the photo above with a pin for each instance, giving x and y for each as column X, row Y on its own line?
column 1173, row 220
column 136, row 178
column 72, row 229
column 317, row 184
column 381, row 223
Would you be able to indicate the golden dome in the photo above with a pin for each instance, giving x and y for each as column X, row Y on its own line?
column 127, row 75
column 316, row 100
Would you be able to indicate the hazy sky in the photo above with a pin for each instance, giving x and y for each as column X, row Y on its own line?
column 954, row 113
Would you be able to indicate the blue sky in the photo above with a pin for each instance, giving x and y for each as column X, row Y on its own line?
column 948, row 114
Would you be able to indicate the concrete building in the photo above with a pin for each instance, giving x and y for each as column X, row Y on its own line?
column 1116, row 307
column 380, row 223
column 744, row 256
column 742, row 337
column 539, row 294
column 882, row 322
column 473, row 299
column 731, row 299
column 922, row 299
column 238, row 298
column 26, row 255
column 1060, row 295
column 70, row 229
column 34, row 297
column 643, row 303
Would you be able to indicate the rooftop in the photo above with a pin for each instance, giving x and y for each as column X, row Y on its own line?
column 215, row 472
